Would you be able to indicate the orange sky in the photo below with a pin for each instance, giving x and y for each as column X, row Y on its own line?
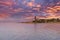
column 19, row 8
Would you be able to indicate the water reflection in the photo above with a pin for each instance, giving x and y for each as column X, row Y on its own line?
column 35, row 27
column 22, row 31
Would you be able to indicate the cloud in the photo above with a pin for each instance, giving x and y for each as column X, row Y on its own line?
column 25, row 8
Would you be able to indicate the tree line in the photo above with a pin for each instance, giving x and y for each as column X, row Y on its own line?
column 47, row 20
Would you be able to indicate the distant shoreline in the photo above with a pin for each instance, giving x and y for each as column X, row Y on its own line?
column 44, row 21
column 37, row 22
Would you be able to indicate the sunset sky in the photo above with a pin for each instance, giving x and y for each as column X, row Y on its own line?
column 27, row 9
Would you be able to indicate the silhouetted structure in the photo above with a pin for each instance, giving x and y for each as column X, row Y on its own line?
column 35, row 19
column 46, row 20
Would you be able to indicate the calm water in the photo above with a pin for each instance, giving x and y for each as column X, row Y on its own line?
column 22, row 31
